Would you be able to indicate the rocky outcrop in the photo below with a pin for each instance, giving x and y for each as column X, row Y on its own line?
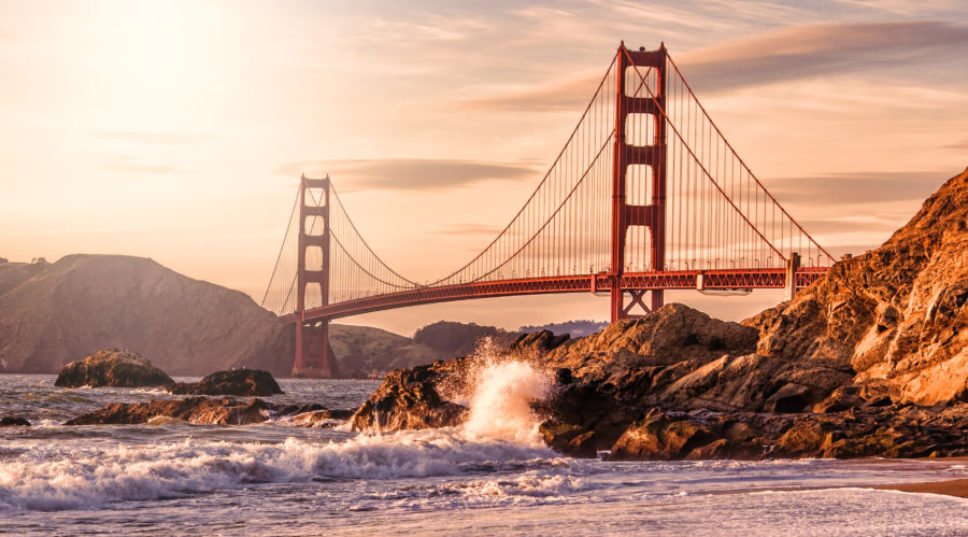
column 203, row 410
column 211, row 411
column 414, row 399
column 240, row 382
column 893, row 431
column 112, row 367
column 895, row 317
column 11, row 421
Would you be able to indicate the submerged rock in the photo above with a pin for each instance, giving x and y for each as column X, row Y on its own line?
column 112, row 367
column 9, row 421
column 241, row 382
column 322, row 419
column 202, row 410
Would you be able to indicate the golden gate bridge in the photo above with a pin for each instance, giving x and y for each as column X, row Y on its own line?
column 646, row 195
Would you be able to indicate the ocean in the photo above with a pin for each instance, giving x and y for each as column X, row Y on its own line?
column 492, row 477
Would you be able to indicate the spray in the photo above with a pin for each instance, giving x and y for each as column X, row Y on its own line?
column 502, row 390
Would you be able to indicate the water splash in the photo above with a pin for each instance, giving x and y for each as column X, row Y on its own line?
column 504, row 388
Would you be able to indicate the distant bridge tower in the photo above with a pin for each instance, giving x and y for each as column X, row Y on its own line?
column 312, row 340
column 647, row 110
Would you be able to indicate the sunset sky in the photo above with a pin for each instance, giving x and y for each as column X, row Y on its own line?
column 177, row 130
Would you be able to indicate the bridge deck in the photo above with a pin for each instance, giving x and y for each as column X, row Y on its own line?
column 704, row 280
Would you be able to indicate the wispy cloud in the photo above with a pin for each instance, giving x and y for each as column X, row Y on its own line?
column 469, row 229
column 409, row 174
column 134, row 165
column 857, row 188
column 838, row 225
column 962, row 145
column 809, row 51
column 783, row 55
column 158, row 138
column 553, row 97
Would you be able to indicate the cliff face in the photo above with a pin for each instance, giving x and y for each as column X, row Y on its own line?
column 52, row 314
column 897, row 315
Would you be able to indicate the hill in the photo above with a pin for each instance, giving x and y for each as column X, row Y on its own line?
column 52, row 314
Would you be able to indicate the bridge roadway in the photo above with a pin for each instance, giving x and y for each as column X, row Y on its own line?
column 702, row 280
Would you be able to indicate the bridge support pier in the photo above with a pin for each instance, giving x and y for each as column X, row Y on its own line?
column 644, row 100
column 312, row 275
column 312, row 351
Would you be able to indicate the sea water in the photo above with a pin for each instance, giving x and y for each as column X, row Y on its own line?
column 490, row 477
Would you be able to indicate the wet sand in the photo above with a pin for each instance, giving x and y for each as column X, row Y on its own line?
column 954, row 487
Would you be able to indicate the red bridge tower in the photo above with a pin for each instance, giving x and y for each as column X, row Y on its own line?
column 312, row 339
column 638, row 101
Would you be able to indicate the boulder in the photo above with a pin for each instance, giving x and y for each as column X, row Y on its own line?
column 9, row 421
column 663, row 435
column 202, row 410
column 412, row 399
column 112, row 367
column 240, row 382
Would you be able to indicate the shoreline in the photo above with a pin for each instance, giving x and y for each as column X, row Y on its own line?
column 952, row 487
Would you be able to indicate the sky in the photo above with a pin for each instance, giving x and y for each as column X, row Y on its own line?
column 177, row 130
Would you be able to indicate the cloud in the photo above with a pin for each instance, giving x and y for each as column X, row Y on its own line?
column 962, row 145
column 838, row 225
column 132, row 165
column 857, row 188
column 408, row 174
column 788, row 54
column 159, row 138
column 555, row 97
column 822, row 50
column 469, row 229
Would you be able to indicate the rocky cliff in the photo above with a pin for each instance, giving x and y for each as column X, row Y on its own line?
column 896, row 316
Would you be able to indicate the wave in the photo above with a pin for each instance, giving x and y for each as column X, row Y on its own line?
column 59, row 478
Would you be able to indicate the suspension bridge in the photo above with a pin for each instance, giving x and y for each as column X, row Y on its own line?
column 646, row 195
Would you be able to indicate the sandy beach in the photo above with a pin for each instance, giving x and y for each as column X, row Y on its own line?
column 954, row 487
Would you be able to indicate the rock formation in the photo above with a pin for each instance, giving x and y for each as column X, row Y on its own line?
column 117, row 368
column 11, row 421
column 211, row 411
column 241, row 382
column 203, row 410
column 895, row 317
column 412, row 399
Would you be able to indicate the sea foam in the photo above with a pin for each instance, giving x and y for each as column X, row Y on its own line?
column 57, row 478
